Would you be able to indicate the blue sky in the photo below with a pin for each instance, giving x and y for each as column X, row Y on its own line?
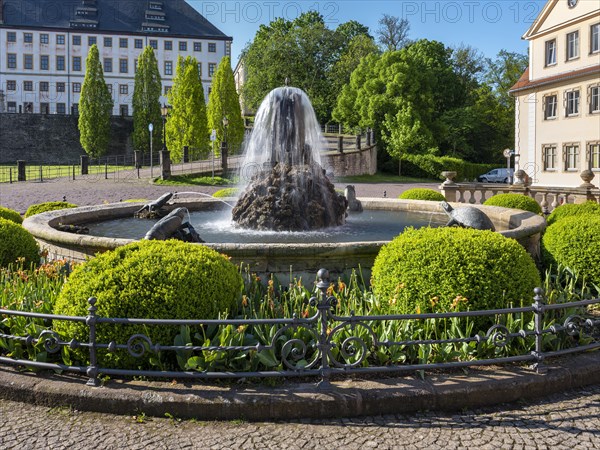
column 489, row 26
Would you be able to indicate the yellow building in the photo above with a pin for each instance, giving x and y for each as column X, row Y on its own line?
column 557, row 128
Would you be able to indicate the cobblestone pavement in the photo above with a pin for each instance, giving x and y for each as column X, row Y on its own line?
column 564, row 421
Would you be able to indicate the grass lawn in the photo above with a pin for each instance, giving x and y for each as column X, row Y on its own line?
column 383, row 178
column 195, row 180
column 32, row 172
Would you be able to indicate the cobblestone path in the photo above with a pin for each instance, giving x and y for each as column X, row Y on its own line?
column 565, row 421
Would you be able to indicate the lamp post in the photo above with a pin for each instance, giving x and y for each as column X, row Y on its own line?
column 224, row 145
column 165, row 160
column 164, row 112
column 151, row 129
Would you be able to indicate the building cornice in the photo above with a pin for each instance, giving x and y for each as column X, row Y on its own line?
column 561, row 26
column 524, row 84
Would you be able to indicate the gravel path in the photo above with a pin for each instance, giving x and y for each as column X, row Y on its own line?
column 565, row 421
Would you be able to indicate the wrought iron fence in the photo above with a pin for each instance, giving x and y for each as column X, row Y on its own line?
column 328, row 344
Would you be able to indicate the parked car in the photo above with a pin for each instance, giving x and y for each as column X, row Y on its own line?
column 496, row 176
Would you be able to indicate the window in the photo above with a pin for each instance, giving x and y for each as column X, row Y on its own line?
column 572, row 107
column 138, row 43
column 44, row 62
column 595, row 38
column 28, row 86
column 60, row 39
column 595, row 99
column 109, row 87
column 154, row 44
column 11, row 107
column 60, row 108
column 123, row 42
column 76, row 63
column 197, row 46
column 168, row 67
column 135, row 65
column 75, row 109
column 123, row 89
column 573, row 45
column 571, row 156
column 551, row 52
column 550, row 106
column 92, row 40
column 60, row 87
column 44, row 38
column 11, row 36
column 212, row 47
column 28, row 62
column 11, row 60
column 123, row 66
column 44, row 108
column 182, row 46
column 594, row 157
column 76, row 87
column 200, row 70
column 108, row 67
column 124, row 110
column 211, row 69
column 108, row 42
column 168, row 45
column 227, row 49
column 60, row 63
column 28, row 38
column 44, row 86
column 549, row 157
column 167, row 90
column 11, row 85
column 76, row 40
column 28, row 107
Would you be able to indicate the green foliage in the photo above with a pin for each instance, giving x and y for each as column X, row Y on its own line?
column 569, row 209
column 146, row 102
column 187, row 123
column 39, row 208
column 227, row 192
column 95, row 107
column 516, row 201
column 422, row 194
column 148, row 279
column 31, row 290
column 16, row 243
column 224, row 101
column 450, row 269
column 431, row 167
column 9, row 214
column 572, row 242
column 194, row 180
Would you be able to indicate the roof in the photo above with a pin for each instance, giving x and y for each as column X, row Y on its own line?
column 524, row 83
column 119, row 16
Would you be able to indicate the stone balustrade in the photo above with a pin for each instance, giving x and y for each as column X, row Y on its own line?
column 548, row 197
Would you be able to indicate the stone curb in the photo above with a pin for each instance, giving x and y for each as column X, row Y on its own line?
column 348, row 398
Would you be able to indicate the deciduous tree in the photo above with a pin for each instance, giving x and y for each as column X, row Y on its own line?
column 392, row 33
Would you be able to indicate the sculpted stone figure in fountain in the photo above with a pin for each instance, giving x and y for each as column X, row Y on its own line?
column 289, row 190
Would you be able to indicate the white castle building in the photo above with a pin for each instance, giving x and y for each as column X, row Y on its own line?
column 44, row 45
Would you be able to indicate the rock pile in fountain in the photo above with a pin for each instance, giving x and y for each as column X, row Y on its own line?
column 289, row 190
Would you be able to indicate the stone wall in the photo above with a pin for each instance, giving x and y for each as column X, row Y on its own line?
column 54, row 139
column 351, row 163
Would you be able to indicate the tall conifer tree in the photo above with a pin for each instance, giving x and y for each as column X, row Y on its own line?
column 146, row 101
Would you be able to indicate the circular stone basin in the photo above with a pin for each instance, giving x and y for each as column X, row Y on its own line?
column 339, row 250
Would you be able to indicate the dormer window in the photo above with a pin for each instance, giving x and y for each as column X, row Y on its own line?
column 156, row 6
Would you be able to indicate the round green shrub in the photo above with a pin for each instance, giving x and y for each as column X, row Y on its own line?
column 227, row 192
column 568, row 210
column 9, row 214
column 574, row 242
column 147, row 279
column 47, row 206
column 15, row 243
column 516, row 201
column 422, row 194
column 449, row 269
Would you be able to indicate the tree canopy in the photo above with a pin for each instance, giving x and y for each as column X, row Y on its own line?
column 187, row 123
column 146, row 101
column 95, row 107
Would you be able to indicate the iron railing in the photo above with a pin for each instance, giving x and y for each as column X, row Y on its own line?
column 332, row 345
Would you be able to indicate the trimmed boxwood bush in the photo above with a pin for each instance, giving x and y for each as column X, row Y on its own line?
column 574, row 242
column 449, row 269
column 431, row 166
column 16, row 242
column 422, row 194
column 147, row 279
column 568, row 210
column 516, row 201
column 47, row 206
column 227, row 192
column 9, row 214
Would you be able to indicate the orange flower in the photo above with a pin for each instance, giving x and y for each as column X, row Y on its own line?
column 330, row 290
column 341, row 286
column 305, row 313
column 434, row 301
column 244, row 301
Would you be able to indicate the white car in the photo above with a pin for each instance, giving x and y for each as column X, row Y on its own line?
column 496, row 176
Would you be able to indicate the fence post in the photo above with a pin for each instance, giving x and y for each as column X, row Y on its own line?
column 41, row 175
column 358, row 141
column 74, row 171
column 21, row 170
column 324, row 304
column 368, row 134
column 90, row 321
column 186, row 154
column 10, row 175
column 341, row 144
column 538, row 309
column 85, row 164
column 106, row 171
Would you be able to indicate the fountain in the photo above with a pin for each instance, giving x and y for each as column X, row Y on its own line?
column 289, row 191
